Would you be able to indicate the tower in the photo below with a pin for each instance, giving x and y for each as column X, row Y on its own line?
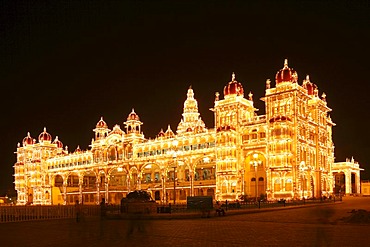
column 230, row 113
column 191, row 120
column 296, row 120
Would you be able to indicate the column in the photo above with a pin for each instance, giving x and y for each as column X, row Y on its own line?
column 139, row 177
column 358, row 184
column 80, row 183
column 191, row 175
column 348, row 182
column 98, row 191
column 64, row 192
column 164, row 199
column 243, row 182
column 128, row 183
column 106, row 183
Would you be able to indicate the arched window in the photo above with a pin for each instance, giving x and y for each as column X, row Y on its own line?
column 112, row 155
column 260, row 179
column 253, row 180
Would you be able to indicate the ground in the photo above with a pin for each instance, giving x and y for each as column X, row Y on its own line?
column 323, row 225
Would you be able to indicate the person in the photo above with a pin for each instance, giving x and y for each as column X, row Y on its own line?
column 78, row 211
column 103, row 209
column 219, row 210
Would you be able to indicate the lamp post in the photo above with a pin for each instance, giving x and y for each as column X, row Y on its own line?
column 174, row 156
column 255, row 162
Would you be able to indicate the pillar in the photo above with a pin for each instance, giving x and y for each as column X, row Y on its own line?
column 80, row 183
column 164, row 199
column 348, row 182
column 139, row 177
column 191, row 175
column 106, row 183
column 98, row 191
column 64, row 191
column 358, row 183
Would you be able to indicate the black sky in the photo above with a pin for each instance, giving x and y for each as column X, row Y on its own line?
column 64, row 64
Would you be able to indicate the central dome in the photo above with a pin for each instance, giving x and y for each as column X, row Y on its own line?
column 44, row 136
column 233, row 87
column 286, row 74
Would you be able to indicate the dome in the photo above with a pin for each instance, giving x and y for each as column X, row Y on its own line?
column 133, row 116
column 101, row 124
column 44, row 136
column 28, row 140
column 286, row 74
column 233, row 87
column 311, row 87
column 57, row 142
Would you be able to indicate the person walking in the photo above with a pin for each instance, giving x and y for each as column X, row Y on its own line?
column 78, row 211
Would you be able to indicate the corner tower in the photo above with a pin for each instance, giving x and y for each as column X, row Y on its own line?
column 299, row 146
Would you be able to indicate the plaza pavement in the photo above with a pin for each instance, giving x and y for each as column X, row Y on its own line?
column 321, row 225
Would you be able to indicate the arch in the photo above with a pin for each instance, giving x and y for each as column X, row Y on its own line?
column 112, row 153
column 150, row 172
column 89, row 180
column 134, row 176
column 118, row 177
column 58, row 180
column 73, row 179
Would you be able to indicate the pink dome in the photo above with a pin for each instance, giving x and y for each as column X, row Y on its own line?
column 286, row 74
column 44, row 136
column 58, row 142
column 233, row 87
column 28, row 140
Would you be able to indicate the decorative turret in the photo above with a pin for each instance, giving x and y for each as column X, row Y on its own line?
column 169, row 133
column 133, row 124
column 101, row 130
column 190, row 118
column 133, row 127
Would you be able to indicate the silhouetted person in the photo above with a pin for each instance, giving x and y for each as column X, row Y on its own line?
column 219, row 210
column 103, row 209
column 78, row 211
column 323, row 215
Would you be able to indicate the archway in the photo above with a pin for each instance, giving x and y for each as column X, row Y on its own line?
column 58, row 181
column 340, row 183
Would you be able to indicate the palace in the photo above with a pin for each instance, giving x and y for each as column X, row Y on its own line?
column 286, row 153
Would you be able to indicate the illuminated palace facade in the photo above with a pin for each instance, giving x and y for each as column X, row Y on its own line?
column 287, row 153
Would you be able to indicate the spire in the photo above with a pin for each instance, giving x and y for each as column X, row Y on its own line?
column 217, row 94
column 233, row 77
column 268, row 82
column 250, row 95
column 323, row 96
column 286, row 63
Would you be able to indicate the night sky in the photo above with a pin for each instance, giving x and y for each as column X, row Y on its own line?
column 64, row 64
